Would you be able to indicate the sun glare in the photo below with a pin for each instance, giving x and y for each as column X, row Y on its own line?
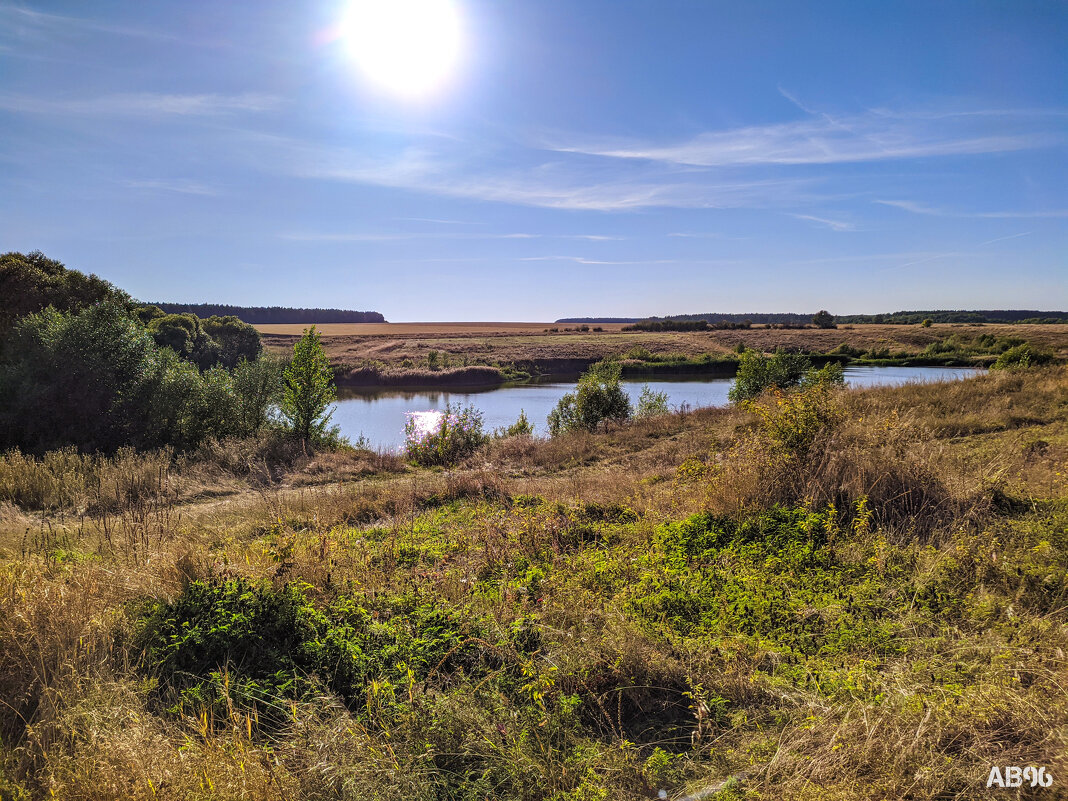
column 405, row 47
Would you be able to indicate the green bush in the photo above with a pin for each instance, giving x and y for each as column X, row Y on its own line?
column 522, row 427
column 221, row 645
column 651, row 404
column 456, row 437
column 782, row 370
column 599, row 397
column 96, row 379
column 1022, row 356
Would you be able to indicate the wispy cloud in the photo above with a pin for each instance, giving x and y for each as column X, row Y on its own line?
column 305, row 236
column 920, row 208
column 25, row 22
column 696, row 235
column 874, row 135
column 834, row 225
column 179, row 186
column 1004, row 238
column 142, row 104
column 555, row 185
column 586, row 260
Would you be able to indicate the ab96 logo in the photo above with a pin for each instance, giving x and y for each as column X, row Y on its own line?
column 1016, row 776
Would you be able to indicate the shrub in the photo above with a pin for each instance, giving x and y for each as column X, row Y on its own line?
column 757, row 373
column 926, row 323
column 522, row 427
column 599, row 397
column 651, row 404
column 1022, row 356
column 793, row 421
column 457, row 436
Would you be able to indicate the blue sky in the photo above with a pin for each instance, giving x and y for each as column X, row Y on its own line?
column 580, row 158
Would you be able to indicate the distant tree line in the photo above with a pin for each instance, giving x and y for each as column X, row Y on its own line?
column 272, row 315
column 949, row 316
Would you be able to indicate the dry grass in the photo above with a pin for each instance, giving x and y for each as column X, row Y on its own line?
column 964, row 480
column 405, row 345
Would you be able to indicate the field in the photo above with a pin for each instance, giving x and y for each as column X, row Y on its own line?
column 367, row 350
column 861, row 595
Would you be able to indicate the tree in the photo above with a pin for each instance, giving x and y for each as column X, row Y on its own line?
column 308, row 388
column 824, row 319
column 598, row 397
column 31, row 282
column 781, row 370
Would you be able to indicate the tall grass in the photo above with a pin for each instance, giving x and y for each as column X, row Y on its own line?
column 848, row 595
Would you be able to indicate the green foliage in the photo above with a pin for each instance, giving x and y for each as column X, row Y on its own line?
column 458, row 435
column 31, row 282
column 97, row 379
column 926, row 323
column 308, row 388
column 249, row 645
column 599, row 397
column 235, row 340
column 823, row 319
column 651, row 404
column 206, row 343
column 522, row 427
column 793, row 421
column 782, row 370
column 257, row 388
column 1022, row 356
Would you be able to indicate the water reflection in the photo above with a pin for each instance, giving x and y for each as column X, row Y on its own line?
column 379, row 416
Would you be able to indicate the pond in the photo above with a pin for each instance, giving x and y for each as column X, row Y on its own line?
column 379, row 416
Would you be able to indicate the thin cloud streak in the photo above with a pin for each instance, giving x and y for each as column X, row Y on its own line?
column 919, row 208
column 1005, row 238
column 25, row 21
column 362, row 237
column 834, row 225
column 181, row 187
column 552, row 186
column 869, row 136
column 143, row 104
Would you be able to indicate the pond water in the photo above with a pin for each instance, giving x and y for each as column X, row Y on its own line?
column 379, row 416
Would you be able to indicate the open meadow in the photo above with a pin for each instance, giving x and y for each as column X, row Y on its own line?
column 367, row 351
column 861, row 595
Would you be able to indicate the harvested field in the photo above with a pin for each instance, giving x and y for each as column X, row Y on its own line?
column 393, row 346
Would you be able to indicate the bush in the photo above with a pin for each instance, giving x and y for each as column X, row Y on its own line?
column 598, row 398
column 757, row 373
column 457, row 436
column 651, row 404
column 522, row 427
column 1022, row 356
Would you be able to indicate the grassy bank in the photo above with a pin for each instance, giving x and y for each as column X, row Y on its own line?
column 859, row 595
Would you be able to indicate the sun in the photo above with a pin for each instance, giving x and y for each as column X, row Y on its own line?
column 408, row 48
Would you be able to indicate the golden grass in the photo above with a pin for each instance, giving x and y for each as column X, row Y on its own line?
column 395, row 345
column 83, row 541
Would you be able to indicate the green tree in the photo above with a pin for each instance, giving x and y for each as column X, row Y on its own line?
column 31, row 282
column 781, row 370
column 236, row 340
column 308, row 388
column 824, row 319
column 599, row 397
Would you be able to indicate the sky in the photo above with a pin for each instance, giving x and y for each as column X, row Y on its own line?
column 536, row 159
